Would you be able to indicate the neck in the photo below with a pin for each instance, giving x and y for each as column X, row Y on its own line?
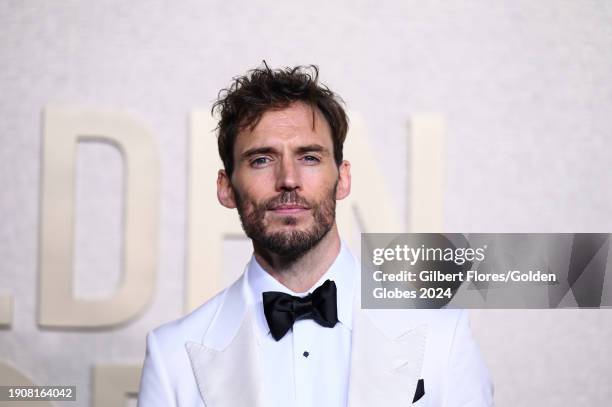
column 299, row 275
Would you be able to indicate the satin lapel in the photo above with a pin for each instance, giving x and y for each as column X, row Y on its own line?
column 384, row 370
column 226, row 364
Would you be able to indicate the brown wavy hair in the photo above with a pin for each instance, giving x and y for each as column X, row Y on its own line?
column 244, row 102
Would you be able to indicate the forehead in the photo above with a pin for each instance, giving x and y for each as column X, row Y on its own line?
column 297, row 124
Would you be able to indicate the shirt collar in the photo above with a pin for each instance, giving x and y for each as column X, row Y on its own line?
column 343, row 272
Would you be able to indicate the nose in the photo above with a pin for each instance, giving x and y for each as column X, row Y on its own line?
column 288, row 177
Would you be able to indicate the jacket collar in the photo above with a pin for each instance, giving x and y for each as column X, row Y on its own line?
column 227, row 358
column 229, row 317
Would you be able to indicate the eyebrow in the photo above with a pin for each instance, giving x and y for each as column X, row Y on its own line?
column 270, row 150
column 257, row 150
column 312, row 148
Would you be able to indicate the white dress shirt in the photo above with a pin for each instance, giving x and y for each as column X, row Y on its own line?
column 310, row 365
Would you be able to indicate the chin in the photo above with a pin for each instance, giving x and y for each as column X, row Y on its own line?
column 287, row 228
column 291, row 222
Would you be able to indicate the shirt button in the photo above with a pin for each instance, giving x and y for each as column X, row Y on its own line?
column 305, row 354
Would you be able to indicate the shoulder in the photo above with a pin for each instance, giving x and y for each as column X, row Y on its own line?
column 172, row 336
column 167, row 370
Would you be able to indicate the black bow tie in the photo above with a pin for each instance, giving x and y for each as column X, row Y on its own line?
column 282, row 309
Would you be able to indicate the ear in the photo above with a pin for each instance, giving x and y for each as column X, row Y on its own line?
column 344, row 180
column 225, row 193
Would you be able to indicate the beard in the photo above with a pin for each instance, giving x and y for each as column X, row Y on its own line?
column 289, row 244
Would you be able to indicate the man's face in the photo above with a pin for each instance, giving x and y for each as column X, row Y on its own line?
column 285, row 180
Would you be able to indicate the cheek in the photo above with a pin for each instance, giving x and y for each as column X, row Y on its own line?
column 250, row 197
column 321, row 182
column 254, row 184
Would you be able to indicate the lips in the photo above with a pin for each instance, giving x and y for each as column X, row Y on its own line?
column 289, row 209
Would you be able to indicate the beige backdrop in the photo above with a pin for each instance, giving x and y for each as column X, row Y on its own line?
column 466, row 117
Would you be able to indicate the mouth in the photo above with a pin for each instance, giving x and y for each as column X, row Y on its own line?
column 289, row 209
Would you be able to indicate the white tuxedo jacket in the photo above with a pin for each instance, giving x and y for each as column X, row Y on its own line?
column 209, row 358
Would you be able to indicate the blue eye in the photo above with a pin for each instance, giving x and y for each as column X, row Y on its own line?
column 311, row 159
column 261, row 161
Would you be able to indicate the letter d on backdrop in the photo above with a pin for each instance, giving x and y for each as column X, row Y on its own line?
column 63, row 129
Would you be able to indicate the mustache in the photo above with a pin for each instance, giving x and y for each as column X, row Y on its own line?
column 287, row 198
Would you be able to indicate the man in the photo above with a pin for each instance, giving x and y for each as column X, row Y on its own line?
column 290, row 331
